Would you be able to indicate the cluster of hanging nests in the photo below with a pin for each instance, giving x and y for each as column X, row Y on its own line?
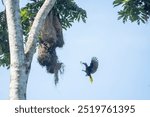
column 51, row 38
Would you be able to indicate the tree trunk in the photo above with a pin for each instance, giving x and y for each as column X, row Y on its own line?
column 20, row 60
column 17, row 66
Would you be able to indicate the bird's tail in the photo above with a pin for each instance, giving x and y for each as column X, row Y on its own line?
column 91, row 79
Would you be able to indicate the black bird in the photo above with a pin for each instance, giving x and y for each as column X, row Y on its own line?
column 92, row 68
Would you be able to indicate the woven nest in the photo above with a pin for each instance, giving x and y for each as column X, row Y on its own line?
column 51, row 38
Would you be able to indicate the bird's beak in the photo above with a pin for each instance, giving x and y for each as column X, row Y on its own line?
column 81, row 62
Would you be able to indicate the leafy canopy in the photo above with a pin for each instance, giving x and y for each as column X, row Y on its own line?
column 67, row 10
column 133, row 10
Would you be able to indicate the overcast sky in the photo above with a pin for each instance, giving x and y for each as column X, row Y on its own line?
column 123, row 51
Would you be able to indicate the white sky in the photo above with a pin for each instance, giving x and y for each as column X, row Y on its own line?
column 123, row 51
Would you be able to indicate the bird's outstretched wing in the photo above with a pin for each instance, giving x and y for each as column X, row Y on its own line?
column 93, row 65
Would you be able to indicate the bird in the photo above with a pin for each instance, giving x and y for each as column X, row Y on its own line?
column 92, row 68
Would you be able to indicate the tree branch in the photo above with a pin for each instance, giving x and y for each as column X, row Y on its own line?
column 35, row 29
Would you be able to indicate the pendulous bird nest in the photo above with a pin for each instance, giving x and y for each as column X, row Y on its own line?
column 51, row 38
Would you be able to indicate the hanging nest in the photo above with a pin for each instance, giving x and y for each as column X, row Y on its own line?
column 51, row 38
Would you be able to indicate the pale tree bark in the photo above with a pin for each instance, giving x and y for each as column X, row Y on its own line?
column 17, row 67
column 20, row 60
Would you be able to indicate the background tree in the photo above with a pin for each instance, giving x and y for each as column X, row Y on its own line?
column 133, row 10
column 17, row 59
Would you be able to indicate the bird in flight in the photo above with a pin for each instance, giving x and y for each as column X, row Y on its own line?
column 92, row 68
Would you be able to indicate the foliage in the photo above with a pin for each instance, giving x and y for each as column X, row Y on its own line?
column 4, row 46
column 67, row 10
column 134, row 10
